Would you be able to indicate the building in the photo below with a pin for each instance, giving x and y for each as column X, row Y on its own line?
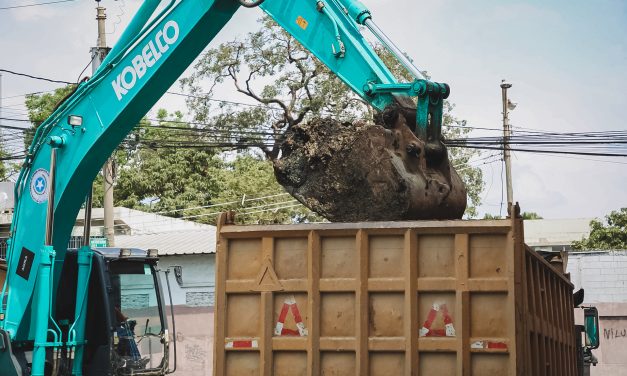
column 189, row 258
column 603, row 275
column 555, row 235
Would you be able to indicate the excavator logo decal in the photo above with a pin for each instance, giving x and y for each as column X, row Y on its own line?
column 150, row 54
column 39, row 186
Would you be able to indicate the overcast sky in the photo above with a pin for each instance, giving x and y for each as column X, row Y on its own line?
column 567, row 61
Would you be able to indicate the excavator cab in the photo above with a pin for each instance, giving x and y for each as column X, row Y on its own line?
column 126, row 331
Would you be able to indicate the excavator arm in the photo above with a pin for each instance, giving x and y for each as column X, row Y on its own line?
column 161, row 41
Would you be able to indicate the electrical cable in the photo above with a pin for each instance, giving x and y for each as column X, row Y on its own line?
column 35, row 4
column 36, row 77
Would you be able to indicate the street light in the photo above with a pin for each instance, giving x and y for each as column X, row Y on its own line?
column 507, row 106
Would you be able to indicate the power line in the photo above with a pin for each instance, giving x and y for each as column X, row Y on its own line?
column 15, row 119
column 271, row 206
column 35, row 4
column 37, row 77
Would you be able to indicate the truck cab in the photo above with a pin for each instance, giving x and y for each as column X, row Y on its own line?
column 126, row 329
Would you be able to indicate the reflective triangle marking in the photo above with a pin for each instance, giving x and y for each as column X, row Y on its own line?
column 449, row 329
column 290, row 305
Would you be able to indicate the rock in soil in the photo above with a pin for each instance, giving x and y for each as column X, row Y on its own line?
column 349, row 172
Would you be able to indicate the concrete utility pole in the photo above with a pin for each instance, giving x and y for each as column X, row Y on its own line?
column 0, row 94
column 507, row 132
column 98, row 54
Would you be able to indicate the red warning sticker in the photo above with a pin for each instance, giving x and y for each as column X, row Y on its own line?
column 488, row 345
column 252, row 344
column 447, row 331
column 289, row 305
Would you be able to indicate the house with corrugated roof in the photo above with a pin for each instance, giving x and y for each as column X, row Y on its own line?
column 186, row 248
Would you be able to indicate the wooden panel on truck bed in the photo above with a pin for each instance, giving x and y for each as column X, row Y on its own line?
column 389, row 298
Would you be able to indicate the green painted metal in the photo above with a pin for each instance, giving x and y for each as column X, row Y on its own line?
column 41, row 308
column 132, row 31
column 316, row 30
column 76, row 337
column 151, row 54
column 357, row 11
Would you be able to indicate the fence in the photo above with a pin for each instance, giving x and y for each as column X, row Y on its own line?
column 75, row 242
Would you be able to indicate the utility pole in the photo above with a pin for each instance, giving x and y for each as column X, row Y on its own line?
column 98, row 54
column 0, row 94
column 507, row 132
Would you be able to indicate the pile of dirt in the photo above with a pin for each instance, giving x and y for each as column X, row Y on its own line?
column 368, row 172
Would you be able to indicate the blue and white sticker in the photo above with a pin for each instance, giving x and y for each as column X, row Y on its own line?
column 39, row 186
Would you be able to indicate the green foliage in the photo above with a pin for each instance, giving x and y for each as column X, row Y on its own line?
column 160, row 174
column 524, row 215
column 164, row 177
column 248, row 183
column 40, row 106
column 531, row 215
column 290, row 86
column 609, row 235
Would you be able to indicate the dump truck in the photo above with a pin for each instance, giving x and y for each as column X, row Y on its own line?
column 457, row 297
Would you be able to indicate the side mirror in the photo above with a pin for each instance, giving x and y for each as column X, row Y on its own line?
column 591, row 325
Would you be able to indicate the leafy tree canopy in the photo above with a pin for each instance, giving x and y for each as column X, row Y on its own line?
column 40, row 106
column 609, row 235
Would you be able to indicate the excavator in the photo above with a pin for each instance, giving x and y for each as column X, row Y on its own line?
column 101, row 311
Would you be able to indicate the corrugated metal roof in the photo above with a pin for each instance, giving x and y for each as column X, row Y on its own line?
column 173, row 243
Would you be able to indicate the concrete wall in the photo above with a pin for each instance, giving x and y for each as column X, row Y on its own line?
column 193, row 311
column 198, row 279
column 194, row 336
column 603, row 275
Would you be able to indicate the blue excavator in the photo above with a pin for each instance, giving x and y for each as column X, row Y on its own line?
column 69, row 312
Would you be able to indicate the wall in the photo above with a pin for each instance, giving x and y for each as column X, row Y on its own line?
column 193, row 311
column 603, row 275
column 198, row 279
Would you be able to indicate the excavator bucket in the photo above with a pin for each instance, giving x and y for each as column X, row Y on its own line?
column 390, row 170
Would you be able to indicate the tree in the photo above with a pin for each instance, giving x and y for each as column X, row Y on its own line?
column 289, row 86
column 263, row 200
column 609, row 235
column 531, row 215
column 159, row 169
column 170, row 168
column 40, row 106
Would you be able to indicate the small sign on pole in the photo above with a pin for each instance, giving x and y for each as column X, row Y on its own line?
column 98, row 242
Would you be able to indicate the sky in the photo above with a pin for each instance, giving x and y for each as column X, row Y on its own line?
column 566, row 60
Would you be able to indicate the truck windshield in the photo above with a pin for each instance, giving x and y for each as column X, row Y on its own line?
column 139, row 326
